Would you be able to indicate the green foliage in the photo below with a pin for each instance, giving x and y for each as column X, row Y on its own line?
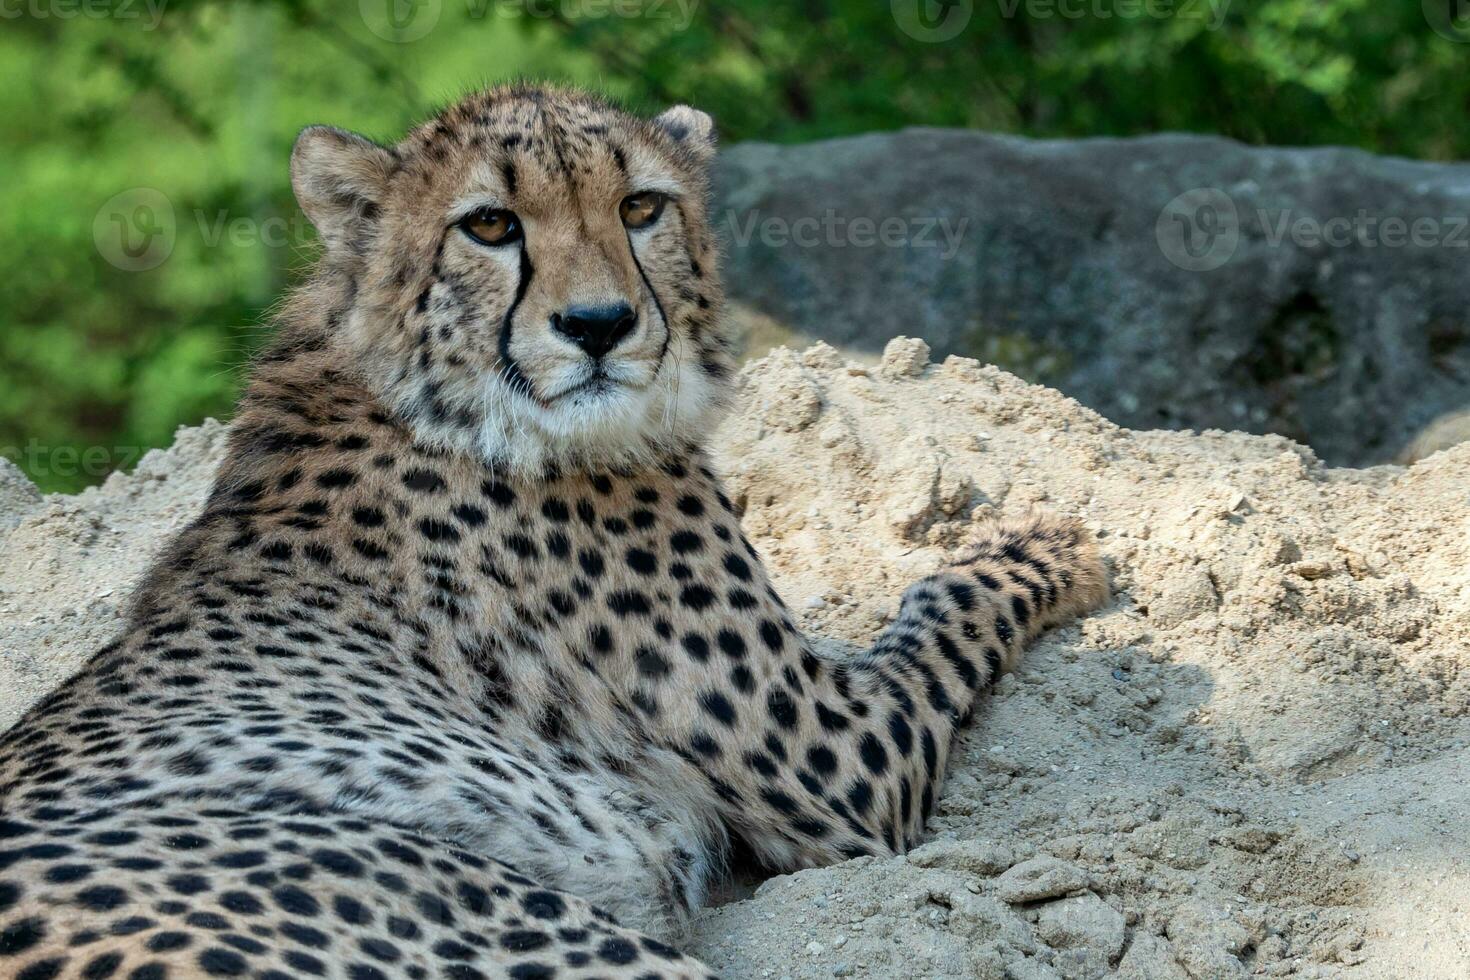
column 199, row 101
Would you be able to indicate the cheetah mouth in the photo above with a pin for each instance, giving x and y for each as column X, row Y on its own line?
column 598, row 381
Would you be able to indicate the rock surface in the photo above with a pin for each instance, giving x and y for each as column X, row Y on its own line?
column 1040, row 878
column 1258, row 755
column 1166, row 281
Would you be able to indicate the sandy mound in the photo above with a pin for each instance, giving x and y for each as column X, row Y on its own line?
column 1255, row 761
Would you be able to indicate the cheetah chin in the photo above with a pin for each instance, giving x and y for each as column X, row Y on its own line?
column 467, row 669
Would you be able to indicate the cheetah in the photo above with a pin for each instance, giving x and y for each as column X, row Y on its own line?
column 466, row 668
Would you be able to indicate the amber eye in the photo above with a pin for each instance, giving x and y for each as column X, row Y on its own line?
column 492, row 227
column 642, row 209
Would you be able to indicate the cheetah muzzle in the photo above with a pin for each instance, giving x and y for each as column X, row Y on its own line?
column 467, row 669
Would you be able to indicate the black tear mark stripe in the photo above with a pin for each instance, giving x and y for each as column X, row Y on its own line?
column 512, row 369
column 657, row 303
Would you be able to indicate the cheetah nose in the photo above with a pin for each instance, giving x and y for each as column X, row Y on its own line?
column 595, row 329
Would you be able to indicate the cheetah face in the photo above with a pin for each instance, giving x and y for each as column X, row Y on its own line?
column 532, row 275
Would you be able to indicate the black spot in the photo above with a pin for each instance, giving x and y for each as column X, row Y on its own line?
column 164, row 942
column 368, row 517
column 524, row 940
column 543, row 905
column 241, row 859
column 334, row 479
column 242, row 903
column 223, row 963
column 696, row 646
column 351, row 911
column 628, row 603
column 651, row 663
column 642, row 561
column 189, row 884
column 873, row 755
column 782, row 709
column 449, row 949
column 19, row 936
column 498, row 493
column 719, row 706
column 822, row 760
column 101, row 967
column 696, row 597
column 423, row 481
column 731, row 645
column 102, row 898
column 771, row 636
column 438, row 531
column 591, row 562
column 901, row 733
column 537, row 971
column 617, row 951
column 294, row 901
column 470, row 515
column 65, row 874
column 42, row 969
column 9, row 894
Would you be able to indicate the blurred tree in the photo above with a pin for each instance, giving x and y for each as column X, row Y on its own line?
column 187, row 109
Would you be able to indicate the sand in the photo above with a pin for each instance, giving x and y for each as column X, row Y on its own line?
column 1255, row 761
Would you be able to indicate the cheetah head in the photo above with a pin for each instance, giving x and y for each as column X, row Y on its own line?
column 530, row 276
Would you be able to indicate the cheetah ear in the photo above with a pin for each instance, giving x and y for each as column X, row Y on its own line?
column 690, row 128
column 339, row 179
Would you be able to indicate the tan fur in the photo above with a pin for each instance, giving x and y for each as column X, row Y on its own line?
column 446, row 667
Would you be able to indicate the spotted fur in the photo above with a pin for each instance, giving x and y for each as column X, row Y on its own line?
column 452, row 679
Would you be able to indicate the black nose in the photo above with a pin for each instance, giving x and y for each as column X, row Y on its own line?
column 595, row 329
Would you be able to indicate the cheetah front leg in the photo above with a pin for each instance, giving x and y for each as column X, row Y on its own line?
column 849, row 758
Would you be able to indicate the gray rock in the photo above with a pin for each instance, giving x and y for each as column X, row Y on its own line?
column 1085, row 922
column 981, row 857
column 904, row 357
column 1150, row 958
column 1206, row 939
column 1040, row 878
column 18, row 496
column 1166, row 281
column 1031, row 970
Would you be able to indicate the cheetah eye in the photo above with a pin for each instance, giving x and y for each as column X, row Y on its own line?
column 642, row 209
column 492, row 227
